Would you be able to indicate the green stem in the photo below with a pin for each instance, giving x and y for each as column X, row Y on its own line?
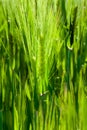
column 68, row 61
column 13, row 101
column 1, row 113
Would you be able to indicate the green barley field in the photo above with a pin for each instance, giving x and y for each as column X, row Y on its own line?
column 43, row 64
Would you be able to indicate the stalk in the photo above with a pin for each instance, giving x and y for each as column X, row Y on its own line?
column 68, row 64
column 1, row 110
column 13, row 95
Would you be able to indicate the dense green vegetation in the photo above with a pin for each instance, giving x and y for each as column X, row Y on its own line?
column 43, row 65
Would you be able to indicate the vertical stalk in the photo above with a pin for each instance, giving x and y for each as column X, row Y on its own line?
column 13, row 100
column 1, row 112
column 68, row 61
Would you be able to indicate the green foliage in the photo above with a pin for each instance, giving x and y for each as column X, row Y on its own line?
column 43, row 65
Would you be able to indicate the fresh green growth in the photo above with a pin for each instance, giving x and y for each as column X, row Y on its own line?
column 43, row 65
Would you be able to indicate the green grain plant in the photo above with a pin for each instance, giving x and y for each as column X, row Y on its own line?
column 43, row 65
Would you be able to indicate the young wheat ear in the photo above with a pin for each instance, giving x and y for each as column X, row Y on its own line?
column 41, row 58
